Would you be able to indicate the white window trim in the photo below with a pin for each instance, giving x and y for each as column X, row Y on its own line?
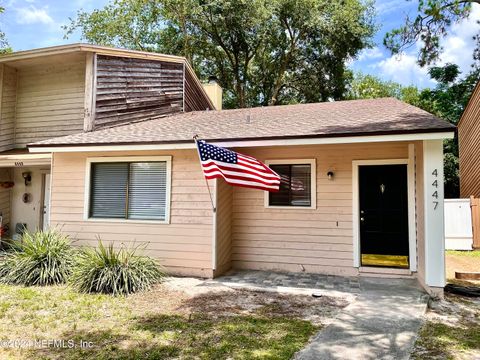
column 91, row 160
column 313, row 182
column 412, row 238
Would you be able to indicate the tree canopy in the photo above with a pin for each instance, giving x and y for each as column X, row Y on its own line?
column 263, row 52
column 366, row 86
column 3, row 40
column 428, row 27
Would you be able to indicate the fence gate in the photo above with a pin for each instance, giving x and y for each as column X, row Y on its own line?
column 458, row 224
column 475, row 205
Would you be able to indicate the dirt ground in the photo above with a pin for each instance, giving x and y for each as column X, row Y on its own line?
column 188, row 295
column 464, row 262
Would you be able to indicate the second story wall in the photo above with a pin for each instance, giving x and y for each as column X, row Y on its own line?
column 59, row 91
column 129, row 89
column 8, row 93
column 50, row 100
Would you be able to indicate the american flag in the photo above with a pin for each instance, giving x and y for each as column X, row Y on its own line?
column 237, row 169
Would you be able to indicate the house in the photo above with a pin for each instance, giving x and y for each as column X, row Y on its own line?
column 469, row 147
column 65, row 90
column 362, row 189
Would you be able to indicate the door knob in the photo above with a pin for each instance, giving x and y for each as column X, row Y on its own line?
column 362, row 219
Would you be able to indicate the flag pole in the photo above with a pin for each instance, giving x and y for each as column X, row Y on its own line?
column 195, row 137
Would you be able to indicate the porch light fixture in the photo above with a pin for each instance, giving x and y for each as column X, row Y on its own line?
column 330, row 175
column 27, row 176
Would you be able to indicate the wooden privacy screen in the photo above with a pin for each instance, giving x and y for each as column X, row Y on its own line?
column 475, row 204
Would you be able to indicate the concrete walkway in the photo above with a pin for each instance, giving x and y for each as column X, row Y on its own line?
column 381, row 322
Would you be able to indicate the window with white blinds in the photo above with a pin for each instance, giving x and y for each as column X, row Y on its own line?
column 129, row 190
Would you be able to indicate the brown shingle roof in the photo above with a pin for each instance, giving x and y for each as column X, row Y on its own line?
column 330, row 119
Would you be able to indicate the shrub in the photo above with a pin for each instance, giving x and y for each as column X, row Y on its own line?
column 118, row 272
column 40, row 258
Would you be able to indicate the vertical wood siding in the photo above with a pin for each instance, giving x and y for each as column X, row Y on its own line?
column 195, row 98
column 312, row 240
column 130, row 90
column 184, row 246
column 8, row 95
column 50, row 101
column 469, row 147
column 224, row 226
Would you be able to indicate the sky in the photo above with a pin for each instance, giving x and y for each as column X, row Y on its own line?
column 32, row 24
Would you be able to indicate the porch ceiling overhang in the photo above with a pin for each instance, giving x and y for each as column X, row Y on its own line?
column 22, row 159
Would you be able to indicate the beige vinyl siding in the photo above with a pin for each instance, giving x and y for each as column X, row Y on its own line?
column 8, row 85
column 184, row 246
column 311, row 240
column 50, row 101
column 5, row 196
column 224, row 226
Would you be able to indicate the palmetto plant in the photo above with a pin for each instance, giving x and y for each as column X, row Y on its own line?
column 122, row 271
column 40, row 258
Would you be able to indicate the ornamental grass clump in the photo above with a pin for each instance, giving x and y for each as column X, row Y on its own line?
column 122, row 271
column 40, row 258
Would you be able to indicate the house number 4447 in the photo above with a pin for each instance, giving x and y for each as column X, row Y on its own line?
column 435, row 189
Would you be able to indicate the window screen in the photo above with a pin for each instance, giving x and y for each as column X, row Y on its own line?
column 129, row 190
column 295, row 186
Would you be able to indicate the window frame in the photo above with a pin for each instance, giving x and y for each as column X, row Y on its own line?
column 313, row 181
column 127, row 159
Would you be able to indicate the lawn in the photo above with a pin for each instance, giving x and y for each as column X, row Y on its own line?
column 451, row 330
column 159, row 324
column 452, row 326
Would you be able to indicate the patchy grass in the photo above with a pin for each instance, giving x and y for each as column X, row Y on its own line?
column 159, row 324
column 451, row 331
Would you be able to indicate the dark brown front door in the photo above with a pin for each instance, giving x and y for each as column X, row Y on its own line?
column 383, row 215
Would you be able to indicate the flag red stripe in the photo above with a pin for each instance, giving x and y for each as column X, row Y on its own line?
column 233, row 167
column 240, row 177
column 260, row 187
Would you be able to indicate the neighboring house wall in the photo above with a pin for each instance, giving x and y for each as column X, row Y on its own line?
column 5, row 196
column 50, row 101
column 469, row 147
column 8, row 86
column 224, row 214
column 135, row 89
column 311, row 240
column 184, row 246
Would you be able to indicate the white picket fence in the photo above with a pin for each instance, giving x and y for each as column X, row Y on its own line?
column 458, row 224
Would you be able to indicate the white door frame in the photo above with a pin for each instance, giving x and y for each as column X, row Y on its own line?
column 412, row 240
column 46, row 175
